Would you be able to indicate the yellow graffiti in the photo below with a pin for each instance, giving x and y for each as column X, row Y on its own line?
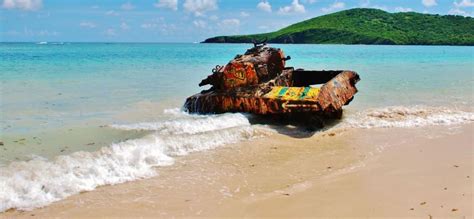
column 239, row 74
column 293, row 93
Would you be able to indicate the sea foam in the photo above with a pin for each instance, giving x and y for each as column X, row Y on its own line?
column 404, row 117
column 30, row 184
column 189, row 124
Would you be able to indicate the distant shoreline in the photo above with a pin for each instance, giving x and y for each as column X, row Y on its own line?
column 341, row 44
column 322, row 44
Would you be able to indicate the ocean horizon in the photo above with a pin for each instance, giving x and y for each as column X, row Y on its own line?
column 202, row 42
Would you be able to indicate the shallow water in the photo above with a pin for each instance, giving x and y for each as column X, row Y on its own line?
column 49, row 86
column 79, row 115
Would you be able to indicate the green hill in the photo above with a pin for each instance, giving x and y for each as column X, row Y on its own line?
column 369, row 26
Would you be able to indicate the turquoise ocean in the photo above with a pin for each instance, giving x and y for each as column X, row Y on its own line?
column 74, row 116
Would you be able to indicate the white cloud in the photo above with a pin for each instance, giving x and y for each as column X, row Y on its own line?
column 172, row 4
column 87, row 24
column 148, row 25
column 402, row 9
column 27, row 5
column 264, row 6
column 366, row 4
column 464, row 3
column 47, row 33
column 30, row 32
column 244, row 14
column 160, row 25
column 310, row 1
column 198, row 7
column 110, row 32
column 334, row 7
column 127, row 6
column 111, row 13
column 458, row 11
column 230, row 22
column 429, row 3
column 213, row 18
column 95, row 7
column 153, row 23
column 295, row 7
column 381, row 7
column 124, row 26
column 200, row 24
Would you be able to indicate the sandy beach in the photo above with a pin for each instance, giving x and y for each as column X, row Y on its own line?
column 415, row 172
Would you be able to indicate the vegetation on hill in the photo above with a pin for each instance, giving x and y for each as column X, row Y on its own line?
column 369, row 26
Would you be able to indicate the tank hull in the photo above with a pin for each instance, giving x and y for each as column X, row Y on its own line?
column 292, row 92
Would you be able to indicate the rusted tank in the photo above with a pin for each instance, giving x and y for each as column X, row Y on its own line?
column 258, row 82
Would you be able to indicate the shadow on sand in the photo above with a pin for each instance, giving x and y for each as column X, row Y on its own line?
column 294, row 128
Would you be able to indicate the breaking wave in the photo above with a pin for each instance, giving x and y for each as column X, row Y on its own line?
column 189, row 125
column 30, row 184
column 402, row 117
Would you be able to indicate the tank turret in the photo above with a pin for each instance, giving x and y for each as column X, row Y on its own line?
column 257, row 65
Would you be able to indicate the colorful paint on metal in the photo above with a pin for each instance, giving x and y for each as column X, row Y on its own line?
column 293, row 93
column 238, row 74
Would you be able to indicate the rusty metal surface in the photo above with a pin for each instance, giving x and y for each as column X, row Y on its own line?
column 257, row 65
column 338, row 92
column 333, row 95
column 241, row 87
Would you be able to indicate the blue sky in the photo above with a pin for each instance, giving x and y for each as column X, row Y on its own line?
column 179, row 20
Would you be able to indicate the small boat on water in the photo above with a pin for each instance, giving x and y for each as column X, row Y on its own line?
column 258, row 82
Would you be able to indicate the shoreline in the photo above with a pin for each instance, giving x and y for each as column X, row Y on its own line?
column 249, row 43
column 333, row 173
column 342, row 44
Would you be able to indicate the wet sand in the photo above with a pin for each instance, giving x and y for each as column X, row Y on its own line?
column 412, row 172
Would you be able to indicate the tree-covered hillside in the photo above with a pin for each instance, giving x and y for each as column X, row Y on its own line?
column 369, row 26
